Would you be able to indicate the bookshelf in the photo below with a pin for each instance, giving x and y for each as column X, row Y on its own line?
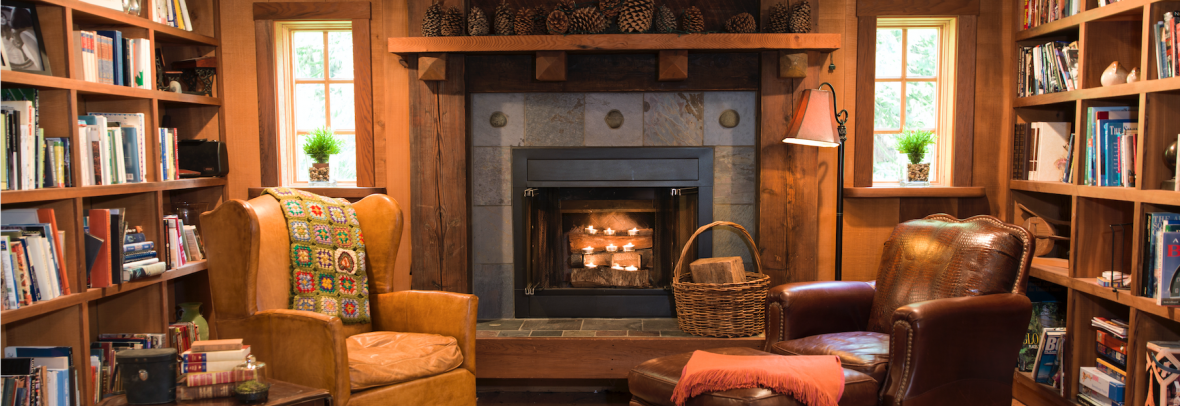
column 1120, row 31
column 145, row 305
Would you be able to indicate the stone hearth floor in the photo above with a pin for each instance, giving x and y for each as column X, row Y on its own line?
column 579, row 328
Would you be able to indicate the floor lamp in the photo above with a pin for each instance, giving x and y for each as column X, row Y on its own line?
column 813, row 124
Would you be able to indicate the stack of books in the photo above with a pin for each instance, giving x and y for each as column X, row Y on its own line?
column 169, row 161
column 1167, row 49
column 182, row 335
column 1037, row 12
column 139, row 257
column 1048, row 68
column 31, row 252
column 1111, row 135
column 1043, row 152
column 116, row 145
column 173, row 13
column 38, row 376
column 184, row 244
column 1105, row 383
column 209, row 368
column 107, row 57
column 1154, row 222
column 30, row 160
column 1098, row 389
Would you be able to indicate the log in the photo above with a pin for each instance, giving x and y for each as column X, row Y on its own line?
column 638, row 259
column 626, row 259
column 604, row 277
column 579, row 239
column 718, row 270
column 599, row 259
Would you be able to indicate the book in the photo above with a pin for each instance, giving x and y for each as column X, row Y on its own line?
column 1047, row 362
column 138, row 246
column 230, row 344
column 144, row 271
column 213, row 378
column 1168, row 259
column 231, row 355
column 188, row 393
column 1110, row 341
column 1114, row 326
column 209, row 366
column 1119, row 374
column 1102, row 384
column 1114, row 357
column 1153, row 222
column 1048, row 312
column 100, row 273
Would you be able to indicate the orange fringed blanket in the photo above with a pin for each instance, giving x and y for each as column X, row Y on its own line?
column 814, row 380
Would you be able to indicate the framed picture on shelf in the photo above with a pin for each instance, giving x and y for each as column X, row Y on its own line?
column 20, row 36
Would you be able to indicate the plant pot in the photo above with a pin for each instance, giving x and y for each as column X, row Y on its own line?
column 191, row 312
column 915, row 174
column 318, row 173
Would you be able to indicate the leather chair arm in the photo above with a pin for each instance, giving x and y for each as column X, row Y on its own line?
column 434, row 312
column 305, row 348
column 797, row 310
column 957, row 351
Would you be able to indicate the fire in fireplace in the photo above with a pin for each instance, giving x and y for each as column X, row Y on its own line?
column 598, row 229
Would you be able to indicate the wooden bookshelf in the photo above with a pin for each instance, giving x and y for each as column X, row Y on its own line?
column 1120, row 31
column 146, row 305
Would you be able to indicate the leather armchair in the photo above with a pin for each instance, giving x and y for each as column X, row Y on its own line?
column 249, row 276
column 942, row 324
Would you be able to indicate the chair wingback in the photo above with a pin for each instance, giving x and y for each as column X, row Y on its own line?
column 942, row 257
column 249, row 262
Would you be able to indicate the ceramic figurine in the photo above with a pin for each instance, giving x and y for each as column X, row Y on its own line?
column 1114, row 74
column 1133, row 76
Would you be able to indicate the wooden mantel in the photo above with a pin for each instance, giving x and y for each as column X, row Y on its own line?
column 551, row 49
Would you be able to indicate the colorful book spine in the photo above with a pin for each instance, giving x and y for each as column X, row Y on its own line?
column 187, row 393
column 234, row 355
column 209, row 366
column 213, row 378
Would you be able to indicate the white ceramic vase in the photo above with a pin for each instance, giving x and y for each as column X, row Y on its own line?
column 1114, row 74
column 1133, row 76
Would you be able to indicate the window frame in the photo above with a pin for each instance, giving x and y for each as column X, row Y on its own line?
column 945, row 80
column 285, row 75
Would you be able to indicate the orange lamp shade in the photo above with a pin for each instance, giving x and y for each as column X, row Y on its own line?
column 814, row 121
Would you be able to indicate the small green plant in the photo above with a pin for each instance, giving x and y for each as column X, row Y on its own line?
column 914, row 143
column 321, row 144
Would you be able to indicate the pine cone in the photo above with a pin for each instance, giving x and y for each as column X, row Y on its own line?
column 587, row 20
column 567, row 6
column 665, row 20
column 432, row 22
column 523, row 24
column 557, row 23
column 741, row 23
column 539, row 21
column 452, row 25
column 609, row 8
column 636, row 15
column 801, row 17
column 477, row 22
column 504, row 19
column 780, row 16
column 693, row 20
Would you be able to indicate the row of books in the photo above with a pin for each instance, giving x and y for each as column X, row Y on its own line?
column 209, row 369
column 104, row 360
column 30, row 160
column 1161, row 257
column 1105, row 383
column 173, row 13
column 116, row 144
column 109, row 58
column 1037, row 12
column 1110, row 144
column 39, row 376
column 31, row 252
column 1042, row 151
column 1047, row 68
column 1167, row 45
column 184, row 243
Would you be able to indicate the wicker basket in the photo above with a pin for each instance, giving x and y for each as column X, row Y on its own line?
column 720, row 309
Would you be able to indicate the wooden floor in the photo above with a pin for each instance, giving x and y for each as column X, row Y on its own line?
column 554, row 399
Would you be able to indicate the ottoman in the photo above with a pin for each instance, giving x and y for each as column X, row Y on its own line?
column 651, row 384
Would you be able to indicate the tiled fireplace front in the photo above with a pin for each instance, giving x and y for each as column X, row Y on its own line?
column 501, row 122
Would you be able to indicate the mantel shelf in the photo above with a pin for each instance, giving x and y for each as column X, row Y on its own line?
column 614, row 42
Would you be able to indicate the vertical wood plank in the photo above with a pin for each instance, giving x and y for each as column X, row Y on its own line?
column 268, row 115
column 919, row 207
column 866, row 70
column 363, row 106
column 965, row 100
column 454, row 207
column 773, row 174
column 803, row 195
column 869, row 224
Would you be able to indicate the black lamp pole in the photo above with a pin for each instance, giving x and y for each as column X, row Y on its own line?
column 841, row 118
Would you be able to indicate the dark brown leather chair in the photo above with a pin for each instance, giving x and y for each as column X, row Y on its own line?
column 941, row 325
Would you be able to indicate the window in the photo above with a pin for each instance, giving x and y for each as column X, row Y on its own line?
column 315, row 76
column 914, row 88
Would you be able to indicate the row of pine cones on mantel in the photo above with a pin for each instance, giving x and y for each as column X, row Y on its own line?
column 605, row 16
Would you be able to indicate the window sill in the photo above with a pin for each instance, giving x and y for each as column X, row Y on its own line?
column 896, row 191
column 345, row 192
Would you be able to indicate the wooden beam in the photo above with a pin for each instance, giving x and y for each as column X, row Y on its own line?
column 866, row 70
column 268, row 105
column 336, row 10
column 432, row 67
column 609, row 42
column 964, row 135
column 918, row 7
column 363, row 102
column 631, row 72
column 792, row 64
column 773, row 173
column 551, row 66
column 598, row 357
column 673, row 65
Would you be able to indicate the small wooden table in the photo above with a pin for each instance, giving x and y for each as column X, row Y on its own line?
column 281, row 394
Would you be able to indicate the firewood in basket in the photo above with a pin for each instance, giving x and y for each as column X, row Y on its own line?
column 718, row 270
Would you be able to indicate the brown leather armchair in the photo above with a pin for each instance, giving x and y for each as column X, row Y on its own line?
column 249, row 276
column 941, row 325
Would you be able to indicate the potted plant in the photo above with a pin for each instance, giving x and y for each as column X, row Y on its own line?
column 320, row 145
column 914, row 145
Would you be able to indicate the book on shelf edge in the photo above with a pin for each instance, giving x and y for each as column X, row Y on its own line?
column 229, row 344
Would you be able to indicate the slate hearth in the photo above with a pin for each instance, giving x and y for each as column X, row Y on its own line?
column 504, row 328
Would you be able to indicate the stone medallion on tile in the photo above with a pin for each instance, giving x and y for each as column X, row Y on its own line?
column 552, row 324
column 726, row 240
column 734, row 175
column 673, row 119
column 493, row 286
column 491, row 176
column 628, row 118
column 491, row 232
column 743, row 105
column 506, row 128
column 554, row 119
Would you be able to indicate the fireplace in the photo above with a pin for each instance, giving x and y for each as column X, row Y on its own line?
column 598, row 230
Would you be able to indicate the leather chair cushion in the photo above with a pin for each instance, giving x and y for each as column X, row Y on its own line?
column 652, row 382
column 382, row 357
column 863, row 351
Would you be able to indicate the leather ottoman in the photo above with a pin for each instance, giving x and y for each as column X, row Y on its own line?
column 651, row 384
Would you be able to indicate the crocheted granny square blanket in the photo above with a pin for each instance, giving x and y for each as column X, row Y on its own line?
column 327, row 255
